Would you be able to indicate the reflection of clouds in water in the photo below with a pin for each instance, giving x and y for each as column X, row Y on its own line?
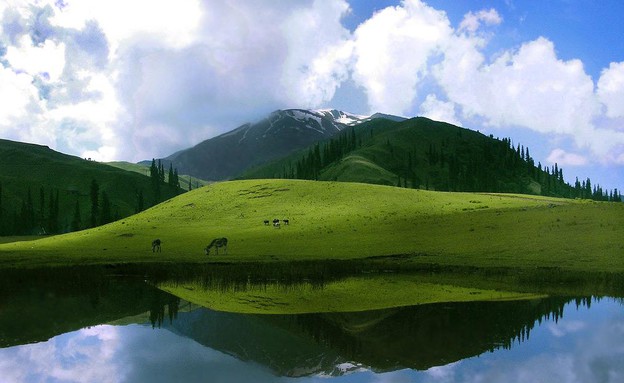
column 444, row 373
column 565, row 327
column 182, row 360
column 600, row 359
column 111, row 354
column 590, row 356
column 81, row 356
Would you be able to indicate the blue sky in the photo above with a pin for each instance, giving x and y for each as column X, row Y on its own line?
column 132, row 80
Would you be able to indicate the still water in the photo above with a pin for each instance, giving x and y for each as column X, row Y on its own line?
column 93, row 329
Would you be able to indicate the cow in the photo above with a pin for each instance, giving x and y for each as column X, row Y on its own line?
column 156, row 245
column 217, row 243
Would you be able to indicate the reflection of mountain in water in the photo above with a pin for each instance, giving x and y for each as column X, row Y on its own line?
column 417, row 337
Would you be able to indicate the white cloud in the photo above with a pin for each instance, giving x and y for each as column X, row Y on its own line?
column 529, row 87
column 392, row 50
column 472, row 21
column 318, row 55
column 47, row 59
column 174, row 24
column 438, row 110
column 563, row 158
column 16, row 93
column 611, row 89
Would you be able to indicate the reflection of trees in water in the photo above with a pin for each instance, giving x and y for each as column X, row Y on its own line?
column 37, row 304
column 158, row 312
column 424, row 336
column 417, row 337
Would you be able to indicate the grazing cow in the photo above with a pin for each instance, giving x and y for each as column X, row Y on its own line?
column 217, row 243
column 266, row 222
column 276, row 223
column 285, row 221
column 156, row 245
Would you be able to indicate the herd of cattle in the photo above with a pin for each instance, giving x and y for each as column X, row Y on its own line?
column 218, row 243
column 276, row 222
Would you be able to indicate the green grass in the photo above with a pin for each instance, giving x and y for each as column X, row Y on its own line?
column 347, row 295
column 331, row 220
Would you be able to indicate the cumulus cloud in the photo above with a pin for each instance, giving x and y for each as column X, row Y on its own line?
column 523, row 88
column 392, row 50
column 319, row 52
column 611, row 89
column 16, row 93
column 561, row 157
column 439, row 110
column 472, row 21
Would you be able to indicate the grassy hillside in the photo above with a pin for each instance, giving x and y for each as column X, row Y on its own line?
column 332, row 220
column 32, row 176
column 426, row 154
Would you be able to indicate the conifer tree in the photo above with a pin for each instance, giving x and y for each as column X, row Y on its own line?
column 139, row 206
column 105, row 213
column 171, row 179
column 76, row 221
column 95, row 204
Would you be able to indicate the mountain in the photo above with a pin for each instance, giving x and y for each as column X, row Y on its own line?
column 253, row 144
column 44, row 191
column 426, row 154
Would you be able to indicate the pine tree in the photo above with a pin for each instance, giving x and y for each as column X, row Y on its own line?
column 76, row 221
column 95, row 205
column 153, row 170
column 139, row 206
column 105, row 214
column 2, row 215
column 171, row 178
column 161, row 172
column 41, row 218
column 176, row 179
column 588, row 189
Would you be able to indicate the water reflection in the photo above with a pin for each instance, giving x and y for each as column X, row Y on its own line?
column 157, row 338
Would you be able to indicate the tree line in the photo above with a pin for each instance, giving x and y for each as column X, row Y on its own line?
column 461, row 164
column 41, row 213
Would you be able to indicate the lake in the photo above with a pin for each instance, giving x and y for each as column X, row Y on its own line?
column 87, row 327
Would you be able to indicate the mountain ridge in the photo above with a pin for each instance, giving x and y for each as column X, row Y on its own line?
column 254, row 143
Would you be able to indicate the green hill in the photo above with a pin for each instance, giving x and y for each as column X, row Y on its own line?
column 41, row 190
column 349, row 221
column 425, row 154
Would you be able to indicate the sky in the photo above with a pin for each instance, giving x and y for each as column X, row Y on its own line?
column 133, row 80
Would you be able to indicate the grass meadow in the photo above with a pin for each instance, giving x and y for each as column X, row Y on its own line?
column 331, row 220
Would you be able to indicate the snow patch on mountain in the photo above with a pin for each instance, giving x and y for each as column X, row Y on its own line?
column 344, row 118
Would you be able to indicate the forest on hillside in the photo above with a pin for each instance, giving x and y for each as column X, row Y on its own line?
column 447, row 159
column 45, row 210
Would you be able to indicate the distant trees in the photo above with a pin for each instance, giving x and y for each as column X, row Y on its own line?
column 449, row 159
column 95, row 203
column 321, row 155
column 158, row 179
column 33, row 210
